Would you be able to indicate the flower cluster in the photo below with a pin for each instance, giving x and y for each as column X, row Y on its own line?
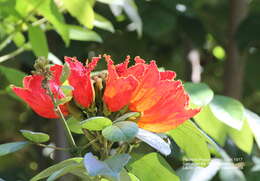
column 161, row 101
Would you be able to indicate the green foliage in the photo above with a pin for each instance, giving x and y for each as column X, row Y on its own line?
column 200, row 93
column 120, row 131
column 50, row 11
column 36, row 137
column 189, row 138
column 96, row 123
column 38, row 41
column 82, row 11
column 111, row 167
column 83, row 34
column 228, row 110
column 8, row 148
column 154, row 141
column 151, row 167
column 54, row 169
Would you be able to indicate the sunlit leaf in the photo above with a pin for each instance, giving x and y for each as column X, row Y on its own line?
column 38, row 41
column 192, row 141
column 254, row 123
column 154, row 141
column 36, row 137
column 82, row 10
column 50, row 11
column 83, row 34
column 228, row 111
column 96, row 123
column 200, row 93
column 103, row 23
column 151, row 167
column 211, row 125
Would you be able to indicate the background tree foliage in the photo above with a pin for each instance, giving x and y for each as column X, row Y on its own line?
column 197, row 39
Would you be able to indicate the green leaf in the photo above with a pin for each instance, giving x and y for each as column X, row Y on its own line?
column 83, row 34
column 211, row 125
column 110, row 167
column 19, row 39
column 74, row 125
column 127, row 116
column 36, row 137
column 243, row 138
column 121, row 131
column 200, row 93
column 151, row 167
column 82, row 10
column 154, row 141
column 63, row 171
column 192, row 141
column 228, row 111
column 38, row 41
column 50, row 11
column 49, row 171
column 254, row 123
column 8, row 148
column 103, row 23
column 96, row 123
column 13, row 76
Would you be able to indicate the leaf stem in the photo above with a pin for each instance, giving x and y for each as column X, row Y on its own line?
column 12, row 54
column 53, row 147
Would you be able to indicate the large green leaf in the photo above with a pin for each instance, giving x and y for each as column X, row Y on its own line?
column 70, row 168
column 36, row 137
column 50, row 11
column 254, row 123
column 96, row 123
column 74, row 125
column 19, row 39
column 151, row 167
column 200, row 93
column 228, row 111
column 38, row 41
column 13, row 76
column 8, row 148
column 192, row 141
column 83, row 34
column 82, row 10
column 243, row 138
column 211, row 125
column 154, row 141
column 103, row 23
column 49, row 171
column 121, row 131
column 110, row 167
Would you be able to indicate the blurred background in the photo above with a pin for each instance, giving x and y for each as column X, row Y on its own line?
column 211, row 41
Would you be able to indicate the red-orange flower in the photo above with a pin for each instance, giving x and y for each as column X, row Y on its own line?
column 36, row 96
column 80, row 80
column 162, row 100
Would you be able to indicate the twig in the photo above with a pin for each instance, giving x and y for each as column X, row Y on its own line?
column 12, row 54
column 53, row 147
